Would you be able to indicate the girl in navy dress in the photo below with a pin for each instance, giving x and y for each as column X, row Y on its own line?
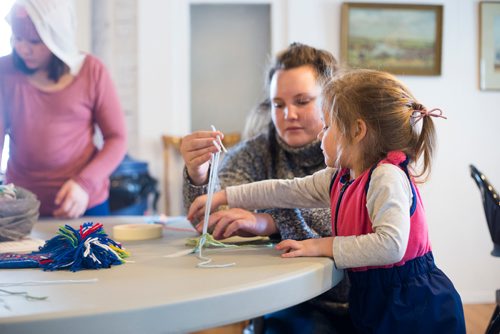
column 374, row 133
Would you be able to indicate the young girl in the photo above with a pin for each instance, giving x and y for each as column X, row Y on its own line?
column 374, row 133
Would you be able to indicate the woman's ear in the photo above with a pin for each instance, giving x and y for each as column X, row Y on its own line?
column 359, row 130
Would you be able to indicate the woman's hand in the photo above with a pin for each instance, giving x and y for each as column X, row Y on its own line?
column 197, row 208
column 196, row 150
column 309, row 247
column 72, row 200
column 243, row 223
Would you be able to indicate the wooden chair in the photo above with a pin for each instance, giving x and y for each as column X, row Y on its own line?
column 172, row 144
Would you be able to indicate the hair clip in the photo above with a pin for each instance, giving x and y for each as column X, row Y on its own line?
column 419, row 114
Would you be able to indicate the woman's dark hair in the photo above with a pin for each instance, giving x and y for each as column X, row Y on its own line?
column 56, row 67
column 296, row 55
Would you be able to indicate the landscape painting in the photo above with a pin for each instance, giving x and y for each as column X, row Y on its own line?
column 401, row 39
column 489, row 45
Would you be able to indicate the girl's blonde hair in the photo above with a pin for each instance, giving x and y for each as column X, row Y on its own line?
column 391, row 114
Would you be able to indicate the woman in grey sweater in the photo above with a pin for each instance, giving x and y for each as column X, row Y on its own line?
column 283, row 144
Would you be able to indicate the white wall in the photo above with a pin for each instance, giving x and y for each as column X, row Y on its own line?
column 84, row 35
column 456, row 219
column 163, row 81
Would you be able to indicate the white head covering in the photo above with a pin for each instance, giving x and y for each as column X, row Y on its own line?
column 55, row 22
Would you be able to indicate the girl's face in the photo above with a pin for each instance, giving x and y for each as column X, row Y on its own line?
column 33, row 52
column 330, row 141
column 340, row 152
column 336, row 150
column 295, row 111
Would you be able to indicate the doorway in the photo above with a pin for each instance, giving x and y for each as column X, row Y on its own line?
column 230, row 46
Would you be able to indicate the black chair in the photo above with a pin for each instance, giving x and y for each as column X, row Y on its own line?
column 491, row 203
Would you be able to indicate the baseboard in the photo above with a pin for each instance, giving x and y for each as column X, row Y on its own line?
column 478, row 297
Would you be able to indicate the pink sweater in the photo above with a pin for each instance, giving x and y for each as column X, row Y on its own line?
column 52, row 133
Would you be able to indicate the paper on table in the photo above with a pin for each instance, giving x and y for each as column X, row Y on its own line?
column 245, row 240
column 25, row 245
column 235, row 241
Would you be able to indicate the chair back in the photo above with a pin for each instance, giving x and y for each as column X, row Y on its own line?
column 171, row 150
column 491, row 204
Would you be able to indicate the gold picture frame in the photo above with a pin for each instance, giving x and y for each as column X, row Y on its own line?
column 489, row 47
column 398, row 38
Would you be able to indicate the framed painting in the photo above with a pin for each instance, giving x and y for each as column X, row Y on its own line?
column 398, row 38
column 489, row 49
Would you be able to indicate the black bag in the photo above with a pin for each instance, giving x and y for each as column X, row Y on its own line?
column 131, row 187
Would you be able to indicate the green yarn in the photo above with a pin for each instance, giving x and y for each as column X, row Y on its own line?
column 65, row 232
column 210, row 242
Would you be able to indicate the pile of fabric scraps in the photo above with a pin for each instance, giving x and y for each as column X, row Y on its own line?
column 86, row 248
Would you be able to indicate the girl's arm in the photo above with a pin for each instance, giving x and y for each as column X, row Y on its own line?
column 252, row 161
column 389, row 200
column 308, row 192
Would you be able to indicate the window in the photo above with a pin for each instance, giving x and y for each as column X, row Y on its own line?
column 5, row 48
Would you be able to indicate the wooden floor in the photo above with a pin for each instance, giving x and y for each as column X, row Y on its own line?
column 477, row 317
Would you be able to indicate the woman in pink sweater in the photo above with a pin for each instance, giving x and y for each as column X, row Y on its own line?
column 52, row 97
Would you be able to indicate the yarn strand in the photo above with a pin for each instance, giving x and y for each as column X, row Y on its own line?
column 212, row 181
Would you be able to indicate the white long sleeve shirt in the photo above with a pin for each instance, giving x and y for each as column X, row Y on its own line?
column 389, row 199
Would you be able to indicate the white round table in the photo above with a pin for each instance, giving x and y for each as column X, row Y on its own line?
column 156, row 294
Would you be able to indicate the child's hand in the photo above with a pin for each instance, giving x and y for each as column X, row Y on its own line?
column 309, row 247
column 197, row 208
column 243, row 223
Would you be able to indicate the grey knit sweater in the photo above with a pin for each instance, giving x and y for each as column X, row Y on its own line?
column 268, row 157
